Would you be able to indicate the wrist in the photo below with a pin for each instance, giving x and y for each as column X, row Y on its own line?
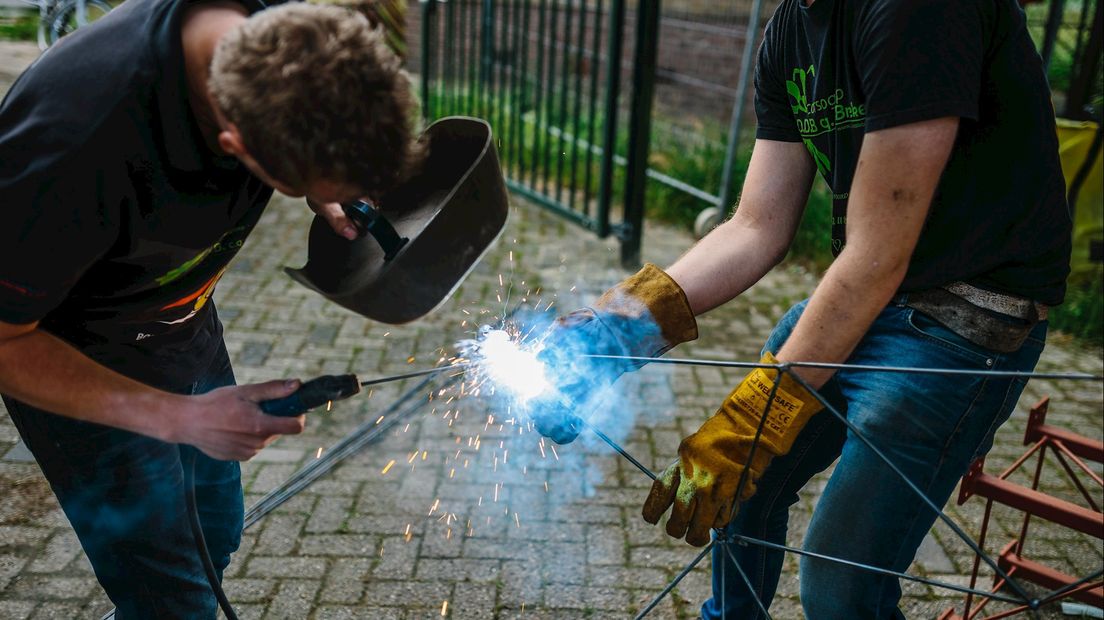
column 650, row 294
column 163, row 416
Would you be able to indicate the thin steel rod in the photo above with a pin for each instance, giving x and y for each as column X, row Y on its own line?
column 898, row 369
column 349, row 445
column 417, row 373
column 674, row 582
column 611, row 443
column 754, row 446
column 1069, row 588
column 875, row 569
column 924, row 498
column 743, row 575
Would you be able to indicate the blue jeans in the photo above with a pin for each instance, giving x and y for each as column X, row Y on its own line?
column 123, row 494
column 930, row 426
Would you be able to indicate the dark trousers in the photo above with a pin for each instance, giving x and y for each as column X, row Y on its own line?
column 123, row 494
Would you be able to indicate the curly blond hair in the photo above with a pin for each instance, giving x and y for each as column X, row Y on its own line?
column 317, row 95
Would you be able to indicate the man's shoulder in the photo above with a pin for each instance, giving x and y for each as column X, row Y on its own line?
column 65, row 97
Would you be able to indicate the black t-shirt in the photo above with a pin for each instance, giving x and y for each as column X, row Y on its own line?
column 117, row 220
column 832, row 71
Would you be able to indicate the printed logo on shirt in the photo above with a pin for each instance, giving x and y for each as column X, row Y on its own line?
column 198, row 299
column 231, row 241
column 23, row 290
column 820, row 116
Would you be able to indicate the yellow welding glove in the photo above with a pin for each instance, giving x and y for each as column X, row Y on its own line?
column 643, row 316
column 701, row 485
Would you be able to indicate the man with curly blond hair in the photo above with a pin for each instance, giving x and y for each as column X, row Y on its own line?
column 135, row 158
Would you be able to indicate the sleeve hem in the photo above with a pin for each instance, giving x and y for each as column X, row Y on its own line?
column 19, row 318
column 768, row 133
column 928, row 112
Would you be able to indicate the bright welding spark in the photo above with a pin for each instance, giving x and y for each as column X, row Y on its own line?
column 386, row 469
column 508, row 364
column 444, row 608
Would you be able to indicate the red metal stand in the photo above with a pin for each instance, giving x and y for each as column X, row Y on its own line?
column 1067, row 448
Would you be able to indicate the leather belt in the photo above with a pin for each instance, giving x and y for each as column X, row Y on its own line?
column 1011, row 305
column 995, row 321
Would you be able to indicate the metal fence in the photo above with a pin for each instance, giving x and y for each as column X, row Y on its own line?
column 547, row 77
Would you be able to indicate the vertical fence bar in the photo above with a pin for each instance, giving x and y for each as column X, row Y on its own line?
column 428, row 14
column 613, row 93
column 498, row 68
column 750, row 36
column 1050, row 35
column 521, row 47
column 472, row 43
column 538, row 101
column 576, row 113
column 486, row 57
column 592, row 109
column 448, row 60
column 550, row 107
column 640, row 130
column 461, row 55
column 561, row 153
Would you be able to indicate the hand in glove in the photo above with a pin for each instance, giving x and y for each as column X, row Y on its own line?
column 701, row 484
column 643, row 316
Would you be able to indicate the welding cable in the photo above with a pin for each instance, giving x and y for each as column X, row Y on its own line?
column 188, row 461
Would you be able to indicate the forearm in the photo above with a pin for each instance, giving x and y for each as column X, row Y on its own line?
column 840, row 311
column 894, row 182
column 742, row 250
column 48, row 373
column 724, row 264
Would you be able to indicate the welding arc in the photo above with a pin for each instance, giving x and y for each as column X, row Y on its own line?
column 410, row 375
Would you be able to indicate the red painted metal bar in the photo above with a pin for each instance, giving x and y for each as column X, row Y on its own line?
column 1039, row 504
column 1078, row 444
column 1047, row 576
column 1062, row 449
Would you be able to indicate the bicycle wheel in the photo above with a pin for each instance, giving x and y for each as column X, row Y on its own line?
column 65, row 18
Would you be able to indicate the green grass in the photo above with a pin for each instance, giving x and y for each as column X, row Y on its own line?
column 1060, row 71
column 22, row 28
column 1082, row 314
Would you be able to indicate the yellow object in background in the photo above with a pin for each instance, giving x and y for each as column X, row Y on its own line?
column 1079, row 147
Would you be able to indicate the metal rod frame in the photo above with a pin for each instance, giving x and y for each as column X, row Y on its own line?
column 1028, row 603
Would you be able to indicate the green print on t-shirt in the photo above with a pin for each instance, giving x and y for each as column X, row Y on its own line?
column 820, row 116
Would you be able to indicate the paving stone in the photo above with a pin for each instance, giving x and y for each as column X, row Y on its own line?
column 249, row 590
column 16, row 610
column 278, row 455
column 289, row 567
column 56, row 611
column 405, row 593
column 62, row 549
column 294, row 599
column 19, row 453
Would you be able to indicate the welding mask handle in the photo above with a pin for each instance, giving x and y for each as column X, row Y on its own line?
column 367, row 219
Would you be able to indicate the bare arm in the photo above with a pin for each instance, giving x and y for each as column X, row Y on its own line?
column 740, row 251
column 895, row 179
column 46, row 372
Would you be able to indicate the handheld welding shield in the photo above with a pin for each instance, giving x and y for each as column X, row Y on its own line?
column 426, row 235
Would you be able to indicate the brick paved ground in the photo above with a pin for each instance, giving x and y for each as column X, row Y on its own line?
column 490, row 525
